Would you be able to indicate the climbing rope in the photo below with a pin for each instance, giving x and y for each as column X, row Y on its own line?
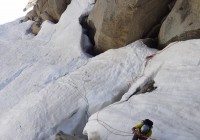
column 159, row 52
column 110, row 128
column 119, row 132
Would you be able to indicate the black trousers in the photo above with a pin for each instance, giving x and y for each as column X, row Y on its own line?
column 135, row 137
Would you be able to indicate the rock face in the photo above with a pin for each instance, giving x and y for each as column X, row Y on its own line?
column 47, row 10
column 182, row 23
column 56, row 8
column 62, row 136
column 30, row 4
column 116, row 23
column 35, row 27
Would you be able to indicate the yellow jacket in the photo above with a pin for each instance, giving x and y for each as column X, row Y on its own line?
column 139, row 125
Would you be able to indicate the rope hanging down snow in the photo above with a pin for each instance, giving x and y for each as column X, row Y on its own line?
column 119, row 132
column 109, row 128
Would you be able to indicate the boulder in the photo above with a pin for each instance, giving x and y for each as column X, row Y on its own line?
column 47, row 10
column 40, row 7
column 35, row 27
column 182, row 23
column 31, row 15
column 57, row 7
column 116, row 23
column 62, row 136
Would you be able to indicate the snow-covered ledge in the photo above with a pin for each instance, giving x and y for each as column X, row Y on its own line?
column 174, row 106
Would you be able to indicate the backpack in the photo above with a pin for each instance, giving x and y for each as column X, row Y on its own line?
column 148, row 122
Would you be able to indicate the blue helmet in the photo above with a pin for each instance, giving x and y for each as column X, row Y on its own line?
column 145, row 129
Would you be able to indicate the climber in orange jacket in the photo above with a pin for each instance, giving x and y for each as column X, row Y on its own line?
column 142, row 130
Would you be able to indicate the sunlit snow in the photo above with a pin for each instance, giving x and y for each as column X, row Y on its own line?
column 48, row 83
column 173, row 107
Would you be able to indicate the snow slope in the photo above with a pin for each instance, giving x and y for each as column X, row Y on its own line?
column 55, row 52
column 174, row 106
column 47, row 82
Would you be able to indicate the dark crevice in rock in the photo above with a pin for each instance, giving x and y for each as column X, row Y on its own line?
column 151, row 43
column 154, row 31
column 171, row 5
column 152, row 35
column 89, row 32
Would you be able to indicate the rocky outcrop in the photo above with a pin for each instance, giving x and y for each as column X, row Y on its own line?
column 116, row 23
column 47, row 10
column 62, row 136
column 182, row 23
column 31, row 15
column 56, row 8
column 35, row 27
column 30, row 4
